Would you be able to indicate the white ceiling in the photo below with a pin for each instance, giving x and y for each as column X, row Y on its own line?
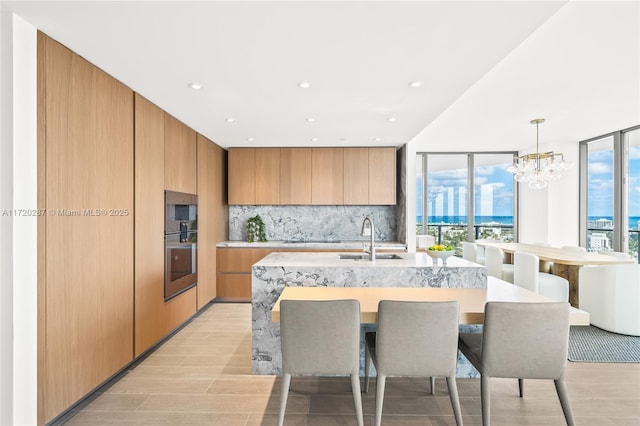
column 487, row 67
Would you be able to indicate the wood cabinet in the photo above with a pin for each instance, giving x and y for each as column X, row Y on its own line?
column 295, row 176
column 327, row 176
column 267, row 175
column 242, row 179
column 254, row 176
column 179, row 156
column 382, row 175
column 85, row 286
column 234, row 272
column 154, row 318
column 356, row 176
column 320, row 176
column 213, row 215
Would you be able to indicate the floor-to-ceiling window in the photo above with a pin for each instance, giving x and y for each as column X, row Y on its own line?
column 465, row 196
column 610, row 192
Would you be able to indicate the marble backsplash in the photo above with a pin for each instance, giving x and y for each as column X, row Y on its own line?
column 314, row 223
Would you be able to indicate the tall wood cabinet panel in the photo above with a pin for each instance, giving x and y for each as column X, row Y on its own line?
column 356, row 176
column 179, row 156
column 382, row 175
column 327, row 171
column 87, row 253
column 242, row 179
column 153, row 317
column 212, row 215
column 267, row 175
column 295, row 176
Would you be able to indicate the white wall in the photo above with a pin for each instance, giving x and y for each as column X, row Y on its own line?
column 18, row 190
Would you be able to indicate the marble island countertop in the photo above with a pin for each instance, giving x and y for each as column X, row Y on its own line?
column 320, row 245
column 273, row 273
column 332, row 259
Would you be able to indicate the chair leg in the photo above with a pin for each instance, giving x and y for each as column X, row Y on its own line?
column 284, row 394
column 563, row 395
column 380, row 381
column 357, row 398
column 521, row 387
column 455, row 401
column 432, row 380
column 485, row 397
column 367, row 367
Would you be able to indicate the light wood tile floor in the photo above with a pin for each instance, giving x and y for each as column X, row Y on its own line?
column 202, row 376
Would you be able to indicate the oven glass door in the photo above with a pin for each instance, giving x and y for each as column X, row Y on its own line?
column 180, row 263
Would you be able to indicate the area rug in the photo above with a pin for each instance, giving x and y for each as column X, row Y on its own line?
column 592, row 344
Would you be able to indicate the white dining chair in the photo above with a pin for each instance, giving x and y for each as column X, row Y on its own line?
column 617, row 254
column 472, row 252
column 494, row 261
column 611, row 295
column 526, row 274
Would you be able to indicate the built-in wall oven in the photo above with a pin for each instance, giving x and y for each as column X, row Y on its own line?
column 180, row 243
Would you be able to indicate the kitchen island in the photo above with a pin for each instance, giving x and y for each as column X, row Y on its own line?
column 279, row 270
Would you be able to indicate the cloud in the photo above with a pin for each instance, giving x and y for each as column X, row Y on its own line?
column 634, row 152
column 598, row 168
column 485, row 170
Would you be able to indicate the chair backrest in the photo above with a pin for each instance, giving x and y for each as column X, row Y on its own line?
column 542, row 244
column 574, row 249
column 525, row 340
column 526, row 271
column 469, row 251
column 320, row 337
column 417, row 338
column 493, row 259
column 611, row 294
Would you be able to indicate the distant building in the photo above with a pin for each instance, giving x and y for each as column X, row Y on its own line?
column 599, row 241
column 600, row 224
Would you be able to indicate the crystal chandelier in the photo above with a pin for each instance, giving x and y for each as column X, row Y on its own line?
column 540, row 168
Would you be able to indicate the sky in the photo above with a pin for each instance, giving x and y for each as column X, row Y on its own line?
column 600, row 184
column 447, row 192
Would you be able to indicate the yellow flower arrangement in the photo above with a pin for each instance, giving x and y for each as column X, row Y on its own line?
column 440, row 247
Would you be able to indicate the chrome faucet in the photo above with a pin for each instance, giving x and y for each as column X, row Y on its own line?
column 363, row 232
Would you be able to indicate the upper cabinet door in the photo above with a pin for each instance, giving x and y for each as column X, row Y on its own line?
column 179, row 156
column 382, row 175
column 295, row 176
column 356, row 176
column 327, row 169
column 267, row 175
column 241, row 176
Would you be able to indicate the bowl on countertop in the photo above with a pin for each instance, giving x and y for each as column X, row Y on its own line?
column 440, row 254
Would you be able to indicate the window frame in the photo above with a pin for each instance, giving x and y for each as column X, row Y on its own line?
column 471, row 189
column 620, row 188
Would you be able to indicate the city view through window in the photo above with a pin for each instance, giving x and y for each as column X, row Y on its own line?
column 601, row 189
column 446, row 199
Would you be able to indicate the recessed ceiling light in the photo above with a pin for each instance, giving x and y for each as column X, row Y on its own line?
column 392, row 119
column 195, row 86
column 249, row 139
column 377, row 139
column 311, row 119
column 229, row 120
column 304, row 84
column 416, row 84
column 314, row 139
column 343, row 139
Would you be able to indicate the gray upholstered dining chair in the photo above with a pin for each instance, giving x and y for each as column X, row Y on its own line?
column 414, row 339
column 523, row 341
column 320, row 337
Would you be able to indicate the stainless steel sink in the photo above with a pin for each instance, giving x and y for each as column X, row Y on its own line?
column 365, row 256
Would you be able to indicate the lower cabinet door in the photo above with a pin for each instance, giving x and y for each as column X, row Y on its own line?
column 235, row 287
